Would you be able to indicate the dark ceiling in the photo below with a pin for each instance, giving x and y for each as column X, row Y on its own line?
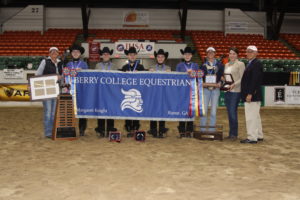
column 250, row 5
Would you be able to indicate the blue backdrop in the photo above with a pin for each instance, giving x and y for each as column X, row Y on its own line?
column 133, row 95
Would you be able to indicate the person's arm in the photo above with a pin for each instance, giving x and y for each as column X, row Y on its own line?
column 256, row 75
column 41, row 68
column 178, row 68
column 220, row 73
column 168, row 68
column 124, row 68
column 114, row 67
column 98, row 66
column 85, row 66
column 203, row 68
column 151, row 68
column 241, row 69
column 140, row 68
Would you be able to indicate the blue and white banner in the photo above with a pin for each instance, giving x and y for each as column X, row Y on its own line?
column 133, row 95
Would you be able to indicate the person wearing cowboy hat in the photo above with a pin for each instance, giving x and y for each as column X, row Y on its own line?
column 73, row 66
column 132, row 66
column 106, row 64
column 160, row 57
column 160, row 66
column 213, row 71
column 186, row 128
column 48, row 66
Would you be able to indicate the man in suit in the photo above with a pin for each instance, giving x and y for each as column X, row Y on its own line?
column 252, row 96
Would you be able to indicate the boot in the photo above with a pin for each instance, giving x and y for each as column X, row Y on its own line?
column 100, row 132
column 181, row 131
column 81, row 132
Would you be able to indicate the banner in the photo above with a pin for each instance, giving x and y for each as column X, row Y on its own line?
column 134, row 95
column 282, row 95
column 14, row 92
column 135, row 19
column 13, row 73
column 94, row 51
column 143, row 48
column 292, row 95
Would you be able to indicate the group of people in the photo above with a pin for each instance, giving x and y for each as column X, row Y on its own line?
column 246, row 86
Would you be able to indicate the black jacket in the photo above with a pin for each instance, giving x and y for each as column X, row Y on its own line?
column 127, row 67
column 252, row 81
column 50, row 67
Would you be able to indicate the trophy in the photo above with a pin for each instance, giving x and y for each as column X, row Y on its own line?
column 227, row 83
column 65, row 122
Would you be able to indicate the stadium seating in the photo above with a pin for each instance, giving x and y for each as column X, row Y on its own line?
column 121, row 34
column 292, row 39
column 18, row 48
column 268, row 49
column 32, row 43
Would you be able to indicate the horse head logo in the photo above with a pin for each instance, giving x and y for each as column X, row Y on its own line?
column 132, row 100
column 9, row 91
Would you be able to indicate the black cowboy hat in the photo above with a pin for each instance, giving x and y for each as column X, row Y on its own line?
column 130, row 50
column 105, row 50
column 77, row 47
column 187, row 50
column 161, row 52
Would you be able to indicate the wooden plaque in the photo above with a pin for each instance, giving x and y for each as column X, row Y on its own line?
column 65, row 122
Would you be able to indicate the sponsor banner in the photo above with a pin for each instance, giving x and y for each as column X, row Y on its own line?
column 292, row 95
column 14, row 92
column 13, row 73
column 143, row 48
column 282, row 95
column 94, row 51
column 135, row 19
column 134, row 95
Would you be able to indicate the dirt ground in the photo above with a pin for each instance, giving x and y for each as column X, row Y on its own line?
column 91, row 168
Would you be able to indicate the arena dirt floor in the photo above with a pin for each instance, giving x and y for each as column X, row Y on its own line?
column 90, row 168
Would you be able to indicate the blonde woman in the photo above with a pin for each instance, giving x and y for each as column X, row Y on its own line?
column 232, row 97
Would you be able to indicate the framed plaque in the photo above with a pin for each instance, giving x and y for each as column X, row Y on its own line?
column 227, row 82
column 43, row 87
column 210, row 79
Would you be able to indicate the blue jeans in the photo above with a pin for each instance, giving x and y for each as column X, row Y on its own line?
column 231, row 101
column 211, row 96
column 49, row 114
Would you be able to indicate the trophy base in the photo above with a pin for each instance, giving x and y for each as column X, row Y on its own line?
column 64, row 124
column 208, row 135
